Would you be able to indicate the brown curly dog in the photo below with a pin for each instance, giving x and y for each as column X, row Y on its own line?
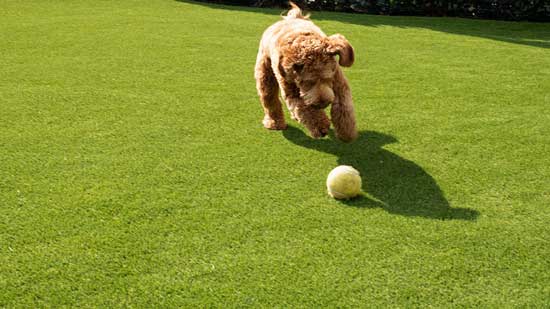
column 297, row 57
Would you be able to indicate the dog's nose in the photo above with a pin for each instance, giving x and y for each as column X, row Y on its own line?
column 322, row 104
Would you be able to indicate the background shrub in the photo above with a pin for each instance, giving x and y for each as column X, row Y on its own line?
column 532, row 10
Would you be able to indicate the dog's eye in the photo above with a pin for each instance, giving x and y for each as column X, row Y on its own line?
column 298, row 67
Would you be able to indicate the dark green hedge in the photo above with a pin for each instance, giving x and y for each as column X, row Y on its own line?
column 532, row 10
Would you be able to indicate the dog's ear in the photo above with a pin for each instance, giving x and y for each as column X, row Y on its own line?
column 338, row 45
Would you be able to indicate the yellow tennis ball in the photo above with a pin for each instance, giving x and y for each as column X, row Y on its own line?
column 344, row 182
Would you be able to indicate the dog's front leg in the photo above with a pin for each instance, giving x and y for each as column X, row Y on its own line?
column 342, row 112
column 314, row 119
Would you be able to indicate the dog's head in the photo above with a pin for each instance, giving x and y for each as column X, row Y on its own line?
column 309, row 60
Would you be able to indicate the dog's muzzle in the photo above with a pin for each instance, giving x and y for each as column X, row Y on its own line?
column 320, row 97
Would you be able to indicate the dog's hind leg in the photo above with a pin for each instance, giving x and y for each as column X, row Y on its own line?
column 268, row 90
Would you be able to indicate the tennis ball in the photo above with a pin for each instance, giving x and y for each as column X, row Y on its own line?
column 343, row 182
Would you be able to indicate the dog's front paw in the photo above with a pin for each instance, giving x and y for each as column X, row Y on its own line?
column 272, row 124
column 319, row 133
column 321, row 129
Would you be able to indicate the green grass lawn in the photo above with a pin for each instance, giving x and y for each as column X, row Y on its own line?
column 134, row 169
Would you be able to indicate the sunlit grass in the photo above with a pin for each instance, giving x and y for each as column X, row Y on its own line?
column 134, row 170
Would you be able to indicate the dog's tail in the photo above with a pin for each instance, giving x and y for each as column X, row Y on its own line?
column 295, row 12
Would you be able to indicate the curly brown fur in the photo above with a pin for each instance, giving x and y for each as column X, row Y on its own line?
column 298, row 59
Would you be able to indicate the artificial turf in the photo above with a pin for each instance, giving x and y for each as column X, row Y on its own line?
column 134, row 170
